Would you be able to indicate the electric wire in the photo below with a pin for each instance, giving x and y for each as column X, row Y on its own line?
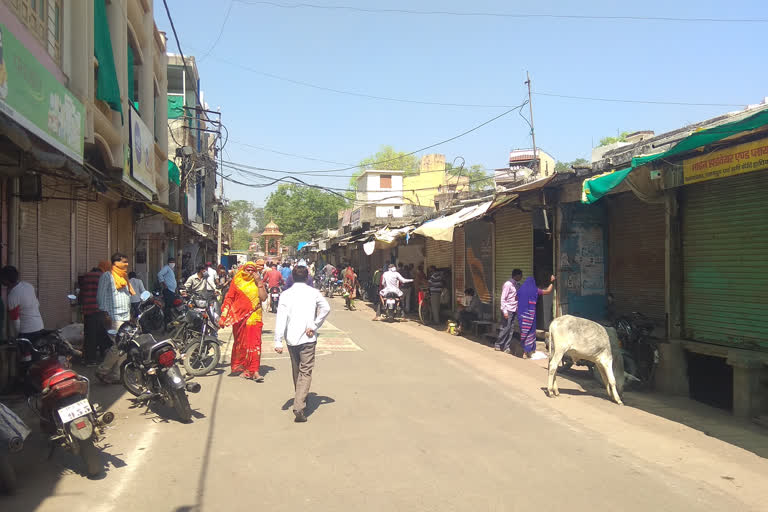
column 221, row 32
column 642, row 102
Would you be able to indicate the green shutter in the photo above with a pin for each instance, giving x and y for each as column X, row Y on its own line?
column 725, row 276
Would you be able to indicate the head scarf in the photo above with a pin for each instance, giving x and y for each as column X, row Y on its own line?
column 527, row 296
column 120, row 275
column 242, row 299
column 104, row 266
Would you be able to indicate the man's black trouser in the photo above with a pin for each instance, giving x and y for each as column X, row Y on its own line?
column 94, row 336
column 504, row 340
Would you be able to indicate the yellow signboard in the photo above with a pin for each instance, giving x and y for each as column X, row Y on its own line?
column 732, row 161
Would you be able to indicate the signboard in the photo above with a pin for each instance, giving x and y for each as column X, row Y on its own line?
column 142, row 151
column 34, row 98
column 732, row 161
column 354, row 218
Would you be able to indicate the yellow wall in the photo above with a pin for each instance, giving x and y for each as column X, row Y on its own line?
column 427, row 180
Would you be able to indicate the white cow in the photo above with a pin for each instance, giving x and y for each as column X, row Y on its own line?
column 585, row 340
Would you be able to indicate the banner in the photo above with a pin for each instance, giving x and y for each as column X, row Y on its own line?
column 732, row 161
column 142, row 152
column 34, row 98
column 478, row 275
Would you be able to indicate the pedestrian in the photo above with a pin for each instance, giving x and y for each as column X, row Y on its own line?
column 391, row 280
column 114, row 297
column 527, row 297
column 508, row 311
column 350, row 287
column 435, row 284
column 301, row 312
column 470, row 310
column 289, row 281
column 200, row 285
column 168, row 283
column 94, row 334
column 211, row 274
column 242, row 311
column 23, row 306
column 405, row 271
column 420, row 284
column 138, row 288
column 285, row 271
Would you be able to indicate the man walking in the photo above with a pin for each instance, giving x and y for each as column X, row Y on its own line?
column 94, row 334
column 508, row 311
column 114, row 297
column 301, row 312
column 167, row 278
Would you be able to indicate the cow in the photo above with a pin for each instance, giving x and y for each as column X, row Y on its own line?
column 585, row 340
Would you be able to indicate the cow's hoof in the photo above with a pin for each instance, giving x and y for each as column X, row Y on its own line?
column 619, row 403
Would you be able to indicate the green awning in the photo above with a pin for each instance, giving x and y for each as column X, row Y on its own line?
column 175, row 106
column 174, row 175
column 596, row 187
column 107, row 87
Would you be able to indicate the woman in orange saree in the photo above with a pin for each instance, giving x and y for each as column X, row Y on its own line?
column 242, row 310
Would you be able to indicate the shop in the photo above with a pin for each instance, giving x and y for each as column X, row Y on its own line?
column 478, row 264
column 513, row 248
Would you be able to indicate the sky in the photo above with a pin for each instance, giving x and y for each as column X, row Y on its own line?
column 242, row 46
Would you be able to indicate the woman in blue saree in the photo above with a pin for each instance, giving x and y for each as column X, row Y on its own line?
column 527, row 297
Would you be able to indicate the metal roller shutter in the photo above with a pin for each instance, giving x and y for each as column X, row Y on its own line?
column 439, row 253
column 82, row 264
column 514, row 248
column 636, row 255
column 98, row 235
column 725, row 277
column 459, row 257
column 54, row 261
column 28, row 243
column 124, row 236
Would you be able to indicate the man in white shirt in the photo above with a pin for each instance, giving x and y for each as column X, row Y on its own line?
column 301, row 312
column 198, row 284
column 23, row 307
column 211, row 274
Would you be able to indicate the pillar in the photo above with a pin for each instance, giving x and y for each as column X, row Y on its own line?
column 748, row 387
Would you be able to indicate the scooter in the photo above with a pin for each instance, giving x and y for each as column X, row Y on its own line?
column 274, row 298
column 13, row 433
column 391, row 307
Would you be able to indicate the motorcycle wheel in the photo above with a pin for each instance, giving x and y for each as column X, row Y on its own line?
column 181, row 404
column 132, row 378
column 425, row 313
column 8, row 481
column 201, row 357
column 91, row 457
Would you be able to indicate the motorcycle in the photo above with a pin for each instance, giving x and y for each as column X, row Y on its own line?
column 13, row 433
column 338, row 287
column 639, row 349
column 391, row 307
column 194, row 330
column 274, row 298
column 60, row 398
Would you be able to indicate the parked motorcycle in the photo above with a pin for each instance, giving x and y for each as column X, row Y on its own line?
column 274, row 298
column 13, row 433
column 149, row 371
column 61, row 398
column 391, row 307
column 194, row 330
column 639, row 349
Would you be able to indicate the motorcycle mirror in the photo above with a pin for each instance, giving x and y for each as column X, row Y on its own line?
column 72, row 297
column 145, row 295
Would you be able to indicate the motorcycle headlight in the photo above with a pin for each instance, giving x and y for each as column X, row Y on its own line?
column 200, row 303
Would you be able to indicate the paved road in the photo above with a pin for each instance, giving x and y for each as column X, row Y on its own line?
column 402, row 418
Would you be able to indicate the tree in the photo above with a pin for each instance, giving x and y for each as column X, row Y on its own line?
column 302, row 212
column 478, row 178
column 610, row 140
column 567, row 166
column 386, row 159
column 239, row 219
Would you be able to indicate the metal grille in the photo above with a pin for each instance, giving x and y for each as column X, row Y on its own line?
column 28, row 243
column 514, row 248
column 82, row 263
column 98, row 236
column 636, row 256
column 725, row 278
column 459, row 257
column 439, row 254
column 54, row 261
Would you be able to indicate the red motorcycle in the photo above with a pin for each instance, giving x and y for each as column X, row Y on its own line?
column 60, row 397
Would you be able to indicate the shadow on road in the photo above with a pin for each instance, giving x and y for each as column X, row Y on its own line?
column 314, row 401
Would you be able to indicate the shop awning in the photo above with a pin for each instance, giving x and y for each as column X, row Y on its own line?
column 301, row 245
column 174, row 217
column 596, row 187
column 442, row 228
column 388, row 236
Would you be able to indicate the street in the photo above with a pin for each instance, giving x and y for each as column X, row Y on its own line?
column 401, row 417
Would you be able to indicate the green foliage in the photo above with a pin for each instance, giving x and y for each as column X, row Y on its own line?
column 241, row 238
column 610, row 140
column 390, row 159
column 239, row 219
column 478, row 178
column 302, row 212
column 566, row 166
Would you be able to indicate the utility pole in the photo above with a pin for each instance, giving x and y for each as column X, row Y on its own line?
column 221, row 198
column 533, row 133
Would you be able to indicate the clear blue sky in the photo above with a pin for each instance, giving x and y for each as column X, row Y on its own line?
column 451, row 59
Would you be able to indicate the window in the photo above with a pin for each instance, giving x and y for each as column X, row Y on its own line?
column 385, row 181
column 44, row 19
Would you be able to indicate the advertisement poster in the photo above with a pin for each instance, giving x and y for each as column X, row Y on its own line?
column 478, row 275
column 142, row 152
column 34, row 98
column 741, row 159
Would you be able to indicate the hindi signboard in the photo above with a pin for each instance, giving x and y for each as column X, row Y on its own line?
column 731, row 161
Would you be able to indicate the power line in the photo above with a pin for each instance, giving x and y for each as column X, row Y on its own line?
column 370, row 10
column 262, row 148
column 644, row 102
column 221, row 32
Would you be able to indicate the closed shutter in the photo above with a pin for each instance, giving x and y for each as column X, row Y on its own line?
column 54, row 259
column 514, row 248
column 459, row 257
column 82, row 263
column 439, row 253
column 124, row 235
column 98, row 237
column 636, row 255
column 725, row 278
column 28, row 243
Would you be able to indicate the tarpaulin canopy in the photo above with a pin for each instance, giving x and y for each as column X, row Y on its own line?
column 301, row 245
column 174, row 217
column 596, row 187
column 174, row 175
column 388, row 236
column 175, row 106
column 107, row 86
column 442, row 228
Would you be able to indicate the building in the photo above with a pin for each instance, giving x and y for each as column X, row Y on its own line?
column 524, row 165
column 272, row 240
column 83, row 145
column 433, row 183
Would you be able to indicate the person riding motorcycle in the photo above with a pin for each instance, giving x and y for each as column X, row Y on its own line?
column 391, row 280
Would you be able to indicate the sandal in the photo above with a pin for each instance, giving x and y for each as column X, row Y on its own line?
column 258, row 378
column 246, row 375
